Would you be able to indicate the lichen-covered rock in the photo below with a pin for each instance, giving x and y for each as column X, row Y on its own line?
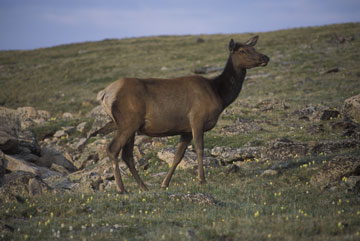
column 50, row 156
column 283, row 149
column 340, row 168
column 102, row 124
column 20, row 184
column 200, row 198
column 351, row 108
column 188, row 161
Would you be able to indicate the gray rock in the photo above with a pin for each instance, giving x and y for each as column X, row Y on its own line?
column 60, row 133
column 335, row 171
column 189, row 160
column 22, row 184
column 269, row 172
column 51, row 156
column 67, row 115
column 88, row 155
column 69, row 129
column 351, row 108
column 59, row 182
column 80, row 144
column 200, row 198
column 15, row 164
column 81, row 127
column 102, row 124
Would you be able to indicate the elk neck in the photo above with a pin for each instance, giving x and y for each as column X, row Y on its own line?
column 228, row 84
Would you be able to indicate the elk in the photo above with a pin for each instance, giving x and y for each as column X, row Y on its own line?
column 185, row 106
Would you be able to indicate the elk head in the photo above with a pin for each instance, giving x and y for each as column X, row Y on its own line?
column 244, row 55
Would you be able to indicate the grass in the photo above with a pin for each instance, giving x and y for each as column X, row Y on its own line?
column 251, row 206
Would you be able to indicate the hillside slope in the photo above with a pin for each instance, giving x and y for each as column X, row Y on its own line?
column 68, row 77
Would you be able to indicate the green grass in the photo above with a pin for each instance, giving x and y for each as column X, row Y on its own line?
column 251, row 207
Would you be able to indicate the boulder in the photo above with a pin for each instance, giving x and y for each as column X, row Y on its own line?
column 102, row 124
column 88, row 156
column 20, row 184
column 189, row 160
column 67, row 115
column 81, row 127
column 336, row 170
column 16, row 164
column 351, row 108
column 59, row 183
column 86, row 182
column 317, row 113
column 13, row 139
column 51, row 156
column 283, row 149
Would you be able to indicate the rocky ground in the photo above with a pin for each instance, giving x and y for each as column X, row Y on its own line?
column 72, row 158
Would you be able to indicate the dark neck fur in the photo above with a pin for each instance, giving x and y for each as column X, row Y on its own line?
column 228, row 84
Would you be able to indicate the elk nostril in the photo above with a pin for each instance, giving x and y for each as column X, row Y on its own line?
column 266, row 58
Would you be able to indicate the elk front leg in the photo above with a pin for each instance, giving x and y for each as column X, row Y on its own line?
column 198, row 135
column 179, row 154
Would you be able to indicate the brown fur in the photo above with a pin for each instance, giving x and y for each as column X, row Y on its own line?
column 185, row 106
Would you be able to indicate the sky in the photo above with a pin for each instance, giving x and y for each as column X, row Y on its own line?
column 30, row 24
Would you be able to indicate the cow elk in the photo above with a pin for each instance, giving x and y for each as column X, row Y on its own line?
column 185, row 106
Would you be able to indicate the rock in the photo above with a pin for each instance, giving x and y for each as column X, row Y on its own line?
column 12, row 138
column 69, row 129
column 87, row 182
column 81, row 127
column 2, row 166
column 167, row 154
column 29, row 116
column 36, row 186
column 200, row 198
column 8, row 143
column 20, row 184
column 240, row 127
column 335, row 170
column 80, row 144
column 269, row 172
column 102, row 124
column 15, row 164
column 58, row 168
column 283, row 149
column 89, row 155
column 333, row 70
column 232, row 169
column 59, row 182
column 351, row 108
column 28, row 112
column 326, row 114
column 51, row 156
column 200, row 40
column 331, row 146
column 60, row 133
column 353, row 184
column 67, row 115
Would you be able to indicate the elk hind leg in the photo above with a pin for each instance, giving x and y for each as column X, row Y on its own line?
column 113, row 151
column 127, row 156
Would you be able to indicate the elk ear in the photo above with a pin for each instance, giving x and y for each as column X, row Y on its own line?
column 232, row 45
column 252, row 41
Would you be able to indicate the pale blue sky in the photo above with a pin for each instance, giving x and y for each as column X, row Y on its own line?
column 29, row 24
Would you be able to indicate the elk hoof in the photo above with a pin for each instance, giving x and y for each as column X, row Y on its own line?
column 202, row 182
